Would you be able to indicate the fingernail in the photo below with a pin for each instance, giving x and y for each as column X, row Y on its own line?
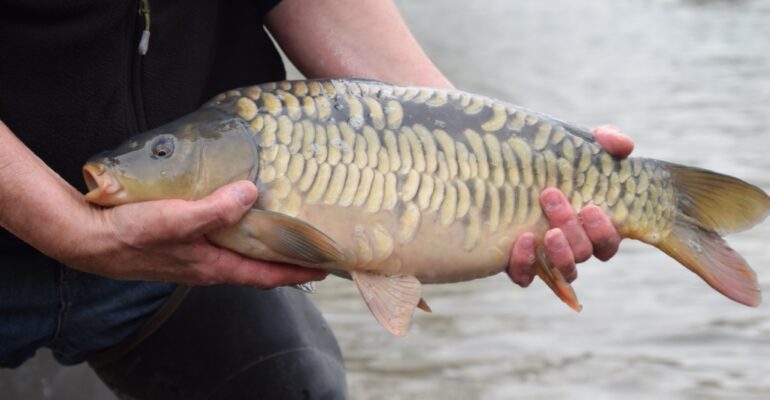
column 552, row 202
column 616, row 134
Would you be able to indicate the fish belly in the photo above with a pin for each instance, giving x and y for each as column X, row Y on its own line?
column 383, row 242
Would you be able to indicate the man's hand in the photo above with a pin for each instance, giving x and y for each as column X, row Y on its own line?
column 573, row 238
column 165, row 240
column 157, row 240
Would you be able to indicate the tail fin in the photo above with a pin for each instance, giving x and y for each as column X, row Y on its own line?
column 717, row 202
column 710, row 204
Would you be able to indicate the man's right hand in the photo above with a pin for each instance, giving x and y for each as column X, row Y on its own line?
column 165, row 240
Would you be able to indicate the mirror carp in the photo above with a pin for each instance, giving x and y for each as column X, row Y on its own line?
column 395, row 187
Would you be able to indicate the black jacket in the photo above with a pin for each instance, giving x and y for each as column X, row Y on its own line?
column 72, row 82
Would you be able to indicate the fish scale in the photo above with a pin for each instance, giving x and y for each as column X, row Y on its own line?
column 514, row 151
column 396, row 186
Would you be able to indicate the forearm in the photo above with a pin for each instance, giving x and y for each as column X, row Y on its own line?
column 338, row 38
column 36, row 204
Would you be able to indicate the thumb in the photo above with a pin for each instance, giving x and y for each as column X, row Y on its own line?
column 224, row 207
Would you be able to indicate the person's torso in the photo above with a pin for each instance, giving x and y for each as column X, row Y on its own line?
column 72, row 82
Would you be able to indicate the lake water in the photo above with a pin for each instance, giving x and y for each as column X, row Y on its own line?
column 690, row 81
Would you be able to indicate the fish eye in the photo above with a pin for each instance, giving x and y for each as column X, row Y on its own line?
column 163, row 147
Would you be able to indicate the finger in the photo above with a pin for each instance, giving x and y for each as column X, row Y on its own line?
column 559, row 254
column 599, row 228
column 271, row 275
column 521, row 267
column 224, row 266
column 561, row 215
column 222, row 208
column 614, row 142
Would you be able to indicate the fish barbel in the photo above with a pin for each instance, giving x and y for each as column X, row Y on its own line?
column 397, row 186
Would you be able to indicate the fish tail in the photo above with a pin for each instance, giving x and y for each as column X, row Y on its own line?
column 707, row 205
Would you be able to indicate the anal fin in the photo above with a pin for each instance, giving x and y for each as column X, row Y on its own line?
column 391, row 298
column 708, row 255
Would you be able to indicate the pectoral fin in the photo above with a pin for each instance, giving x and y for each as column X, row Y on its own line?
column 292, row 238
column 392, row 299
column 555, row 280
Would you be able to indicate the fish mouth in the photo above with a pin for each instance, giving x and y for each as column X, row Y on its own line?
column 103, row 188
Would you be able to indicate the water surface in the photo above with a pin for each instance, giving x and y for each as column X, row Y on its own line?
column 690, row 81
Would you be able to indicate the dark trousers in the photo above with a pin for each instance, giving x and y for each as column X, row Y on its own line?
column 218, row 342
column 229, row 342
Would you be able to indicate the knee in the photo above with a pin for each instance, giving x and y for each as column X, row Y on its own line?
column 302, row 373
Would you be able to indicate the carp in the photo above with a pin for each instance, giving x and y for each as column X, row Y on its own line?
column 395, row 187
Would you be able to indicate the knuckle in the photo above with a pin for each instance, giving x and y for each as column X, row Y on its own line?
column 565, row 218
column 220, row 214
column 225, row 214
column 557, row 215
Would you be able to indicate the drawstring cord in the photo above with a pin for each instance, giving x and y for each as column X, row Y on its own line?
column 144, row 42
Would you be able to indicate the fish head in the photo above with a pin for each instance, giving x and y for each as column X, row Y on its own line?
column 186, row 159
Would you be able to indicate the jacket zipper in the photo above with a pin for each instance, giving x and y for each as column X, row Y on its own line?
column 144, row 41
column 137, row 117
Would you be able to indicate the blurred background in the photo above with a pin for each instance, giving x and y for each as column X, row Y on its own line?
column 689, row 80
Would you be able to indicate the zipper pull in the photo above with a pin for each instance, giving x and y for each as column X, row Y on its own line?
column 144, row 42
